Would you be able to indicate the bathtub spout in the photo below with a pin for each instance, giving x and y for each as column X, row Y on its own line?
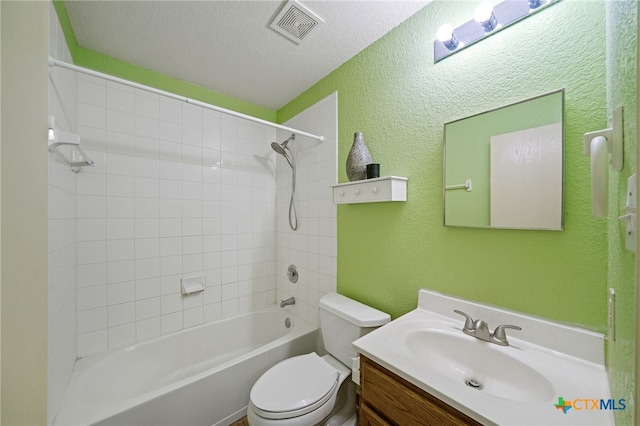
column 289, row 301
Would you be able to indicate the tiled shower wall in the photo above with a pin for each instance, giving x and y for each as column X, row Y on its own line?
column 177, row 191
column 63, row 91
column 313, row 247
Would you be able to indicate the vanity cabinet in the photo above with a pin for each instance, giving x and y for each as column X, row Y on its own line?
column 387, row 399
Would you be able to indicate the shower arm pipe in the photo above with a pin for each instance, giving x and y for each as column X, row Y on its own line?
column 56, row 63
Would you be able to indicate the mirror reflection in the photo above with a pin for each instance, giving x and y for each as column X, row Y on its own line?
column 503, row 168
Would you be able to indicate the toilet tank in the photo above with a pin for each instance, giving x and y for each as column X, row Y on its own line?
column 343, row 321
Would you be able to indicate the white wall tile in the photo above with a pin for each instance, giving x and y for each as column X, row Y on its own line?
column 147, row 127
column 147, row 104
column 91, row 229
column 192, row 137
column 193, row 317
column 120, row 97
column 172, row 322
column 118, row 142
column 120, row 186
column 122, row 335
column 170, row 110
column 170, row 170
column 148, row 288
column 120, row 228
column 147, row 187
column 92, row 320
column 91, row 207
column 119, row 122
column 91, row 274
column 179, row 192
column 147, row 268
column 120, row 271
column 118, row 164
column 148, row 328
column 148, row 308
column 92, row 116
column 121, row 292
column 146, row 248
column 93, row 342
column 147, row 228
column 120, row 207
column 91, row 297
column 192, row 116
column 91, row 252
column 118, row 250
column 91, row 92
column 121, row 313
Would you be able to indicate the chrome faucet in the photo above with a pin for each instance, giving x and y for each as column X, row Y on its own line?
column 480, row 330
column 289, row 301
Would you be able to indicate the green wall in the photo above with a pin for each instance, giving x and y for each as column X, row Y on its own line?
column 400, row 100
column 622, row 24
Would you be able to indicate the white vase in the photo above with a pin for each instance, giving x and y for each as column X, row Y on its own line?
column 358, row 158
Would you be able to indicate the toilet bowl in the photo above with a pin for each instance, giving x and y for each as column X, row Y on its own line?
column 303, row 390
column 297, row 391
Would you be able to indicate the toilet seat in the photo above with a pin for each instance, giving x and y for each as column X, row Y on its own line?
column 294, row 387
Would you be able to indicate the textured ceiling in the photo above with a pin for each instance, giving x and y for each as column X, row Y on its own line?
column 228, row 47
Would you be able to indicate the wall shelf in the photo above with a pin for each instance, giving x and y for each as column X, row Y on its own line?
column 383, row 189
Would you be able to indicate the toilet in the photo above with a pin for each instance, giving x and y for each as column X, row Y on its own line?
column 303, row 390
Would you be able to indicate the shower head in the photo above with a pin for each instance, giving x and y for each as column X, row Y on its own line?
column 277, row 148
column 280, row 147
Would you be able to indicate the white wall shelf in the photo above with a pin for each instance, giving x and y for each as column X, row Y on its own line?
column 383, row 189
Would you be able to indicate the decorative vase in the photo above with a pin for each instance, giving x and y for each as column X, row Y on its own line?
column 358, row 159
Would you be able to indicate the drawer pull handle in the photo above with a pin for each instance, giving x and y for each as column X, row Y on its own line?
column 374, row 190
column 341, row 193
column 357, row 191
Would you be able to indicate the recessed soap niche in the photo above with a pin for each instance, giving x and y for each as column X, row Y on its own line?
column 192, row 285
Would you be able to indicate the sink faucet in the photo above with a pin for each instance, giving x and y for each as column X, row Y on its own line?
column 289, row 301
column 480, row 330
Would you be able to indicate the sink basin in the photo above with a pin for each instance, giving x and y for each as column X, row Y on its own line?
column 482, row 366
column 494, row 385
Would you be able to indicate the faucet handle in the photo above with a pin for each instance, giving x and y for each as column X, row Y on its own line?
column 468, row 323
column 500, row 335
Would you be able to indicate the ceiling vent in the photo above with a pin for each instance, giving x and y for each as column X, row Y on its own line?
column 295, row 21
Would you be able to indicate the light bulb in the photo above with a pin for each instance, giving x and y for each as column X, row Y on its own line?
column 446, row 36
column 484, row 16
column 534, row 4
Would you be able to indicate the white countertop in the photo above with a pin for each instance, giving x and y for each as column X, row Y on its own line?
column 569, row 358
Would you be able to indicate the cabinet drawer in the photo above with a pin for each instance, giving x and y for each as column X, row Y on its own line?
column 401, row 402
column 368, row 417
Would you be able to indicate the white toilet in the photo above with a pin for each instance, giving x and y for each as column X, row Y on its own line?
column 303, row 390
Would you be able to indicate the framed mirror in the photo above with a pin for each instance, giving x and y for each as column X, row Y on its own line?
column 503, row 168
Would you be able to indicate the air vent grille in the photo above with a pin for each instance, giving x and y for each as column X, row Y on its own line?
column 295, row 21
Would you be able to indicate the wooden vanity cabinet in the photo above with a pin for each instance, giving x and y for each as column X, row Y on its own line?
column 387, row 399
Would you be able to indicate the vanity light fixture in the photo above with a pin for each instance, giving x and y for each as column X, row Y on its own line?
column 487, row 19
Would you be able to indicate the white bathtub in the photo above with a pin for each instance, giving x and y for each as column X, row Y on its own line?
column 198, row 376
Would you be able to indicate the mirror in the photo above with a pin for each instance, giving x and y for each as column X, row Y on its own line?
column 503, row 168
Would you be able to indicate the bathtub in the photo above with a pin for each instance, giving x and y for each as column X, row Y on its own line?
column 198, row 376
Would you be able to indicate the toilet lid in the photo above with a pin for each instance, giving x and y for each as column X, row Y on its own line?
column 299, row 384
